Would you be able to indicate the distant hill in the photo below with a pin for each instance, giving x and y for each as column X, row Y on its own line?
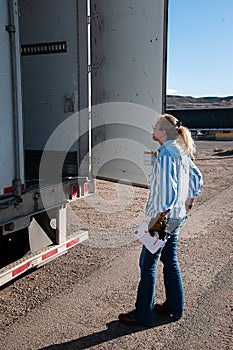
column 178, row 102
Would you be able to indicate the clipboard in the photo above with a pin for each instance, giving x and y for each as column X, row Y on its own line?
column 153, row 244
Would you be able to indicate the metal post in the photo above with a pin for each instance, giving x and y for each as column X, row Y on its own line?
column 16, row 183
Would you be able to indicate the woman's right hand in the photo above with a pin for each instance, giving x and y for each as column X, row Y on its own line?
column 189, row 204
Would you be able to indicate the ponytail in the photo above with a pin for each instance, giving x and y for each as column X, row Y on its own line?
column 186, row 139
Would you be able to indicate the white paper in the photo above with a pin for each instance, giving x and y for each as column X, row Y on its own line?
column 153, row 244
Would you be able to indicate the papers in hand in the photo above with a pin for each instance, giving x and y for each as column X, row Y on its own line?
column 153, row 244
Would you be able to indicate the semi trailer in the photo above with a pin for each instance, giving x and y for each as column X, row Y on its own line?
column 81, row 83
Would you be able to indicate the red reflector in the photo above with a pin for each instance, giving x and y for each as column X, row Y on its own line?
column 8, row 190
column 49, row 254
column 71, row 243
column 86, row 187
column 20, row 269
column 74, row 191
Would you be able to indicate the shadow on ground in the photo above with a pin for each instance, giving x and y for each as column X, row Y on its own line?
column 115, row 329
column 223, row 153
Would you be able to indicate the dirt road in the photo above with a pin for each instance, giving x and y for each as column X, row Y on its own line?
column 74, row 303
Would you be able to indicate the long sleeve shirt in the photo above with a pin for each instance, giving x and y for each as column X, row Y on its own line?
column 174, row 179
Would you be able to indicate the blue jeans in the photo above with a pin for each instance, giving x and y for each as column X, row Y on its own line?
column 174, row 303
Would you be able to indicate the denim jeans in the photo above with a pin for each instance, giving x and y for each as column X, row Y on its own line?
column 174, row 303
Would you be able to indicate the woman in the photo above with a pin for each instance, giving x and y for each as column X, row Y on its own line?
column 176, row 182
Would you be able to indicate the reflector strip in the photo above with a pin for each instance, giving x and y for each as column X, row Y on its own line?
column 49, row 254
column 20, row 269
column 8, row 190
column 71, row 243
column 74, row 191
column 86, row 187
column 11, row 271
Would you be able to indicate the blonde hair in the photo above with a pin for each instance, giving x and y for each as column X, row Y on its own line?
column 175, row 131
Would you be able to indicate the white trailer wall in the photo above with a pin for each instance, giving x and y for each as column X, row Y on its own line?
column 7, row 155
column 128, row 84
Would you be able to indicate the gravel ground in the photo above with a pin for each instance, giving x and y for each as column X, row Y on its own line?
column 111, row 216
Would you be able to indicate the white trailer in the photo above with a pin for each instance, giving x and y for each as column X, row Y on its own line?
column 60, row 63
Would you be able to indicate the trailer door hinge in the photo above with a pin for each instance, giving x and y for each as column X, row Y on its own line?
column 89, row 68
column 10, row 28
column 88, row 19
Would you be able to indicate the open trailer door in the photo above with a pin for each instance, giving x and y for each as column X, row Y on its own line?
column 128, row 60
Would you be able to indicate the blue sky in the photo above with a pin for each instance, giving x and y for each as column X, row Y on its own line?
column 200, row 48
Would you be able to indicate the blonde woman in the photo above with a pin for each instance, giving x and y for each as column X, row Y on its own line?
column 176, row 182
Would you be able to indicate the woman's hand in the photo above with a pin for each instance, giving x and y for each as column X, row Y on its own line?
column 189, row 203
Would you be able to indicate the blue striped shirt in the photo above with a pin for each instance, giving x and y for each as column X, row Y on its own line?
column 174, row 179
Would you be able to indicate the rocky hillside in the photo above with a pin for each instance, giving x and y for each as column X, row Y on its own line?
column 177, row 102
